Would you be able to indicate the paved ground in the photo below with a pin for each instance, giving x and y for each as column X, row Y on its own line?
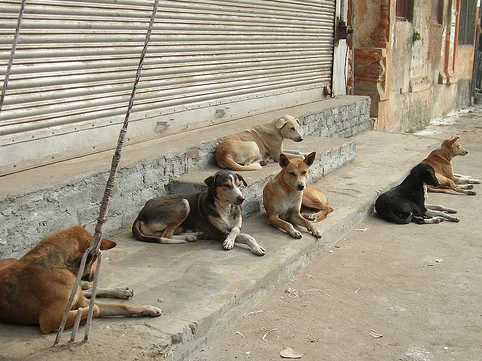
column 383, row 292
column 418, row 287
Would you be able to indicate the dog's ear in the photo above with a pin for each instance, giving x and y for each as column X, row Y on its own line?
column 310, row 158
column 281, row 123
column 283, row 160
column 105, row 244
column 241, row 179
column 209, row 181
column 453, row 140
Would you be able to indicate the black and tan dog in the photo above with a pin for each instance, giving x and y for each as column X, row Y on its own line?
column 405, row 203
column 35, row 289
column 215, row 213
column 282, row 196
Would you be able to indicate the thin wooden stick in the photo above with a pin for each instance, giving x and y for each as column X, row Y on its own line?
column 76, row 324
column 72, row 295
column 92, row 297
column 94, row 248
column 12, row 53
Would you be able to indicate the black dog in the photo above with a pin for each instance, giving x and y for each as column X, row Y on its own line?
column 405, row 203
column 215, row 213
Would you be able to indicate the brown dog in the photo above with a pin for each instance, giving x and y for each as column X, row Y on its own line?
column 282, row 196
column 441, row 161
column 253, row 148
column 314, row 204
column 36, row 288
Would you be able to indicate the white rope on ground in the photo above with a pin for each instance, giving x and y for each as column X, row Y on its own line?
column 94, row 248
column 12, row 53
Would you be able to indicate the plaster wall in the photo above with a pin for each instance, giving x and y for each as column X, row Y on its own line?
column 421, row 81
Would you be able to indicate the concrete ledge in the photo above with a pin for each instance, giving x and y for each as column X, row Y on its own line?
column 202, row 288
column 331, row 154
column 36, row 202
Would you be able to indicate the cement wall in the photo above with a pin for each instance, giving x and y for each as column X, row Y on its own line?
column 27, row 217
column 410, row 80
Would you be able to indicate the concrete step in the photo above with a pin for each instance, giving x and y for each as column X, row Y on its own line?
column 36, row 202
column 331, row 154
column 202, row 288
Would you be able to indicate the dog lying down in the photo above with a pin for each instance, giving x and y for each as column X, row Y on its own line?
column 251, row 149
column 35, row 289
column 214, row 213
column 405, row 203
column 441, row 161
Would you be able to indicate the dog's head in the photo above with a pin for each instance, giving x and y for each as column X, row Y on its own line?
column 425, row 173
column 289, row 127
column 295, row 171
column 453, row 147
column 66, row 248
column 226, row 187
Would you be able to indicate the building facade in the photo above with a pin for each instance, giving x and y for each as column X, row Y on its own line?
column 413, row 58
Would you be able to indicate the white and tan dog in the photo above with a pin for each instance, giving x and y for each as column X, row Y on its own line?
column 282, row 196
column 251, row 149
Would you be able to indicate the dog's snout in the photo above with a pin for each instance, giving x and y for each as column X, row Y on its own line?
column 241, row 199
column 300, row 139
column 301, row 187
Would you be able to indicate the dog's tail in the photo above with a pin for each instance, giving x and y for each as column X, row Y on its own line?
column 323, row 214
column 152, row 239
column 228, row 163
column 141, row 236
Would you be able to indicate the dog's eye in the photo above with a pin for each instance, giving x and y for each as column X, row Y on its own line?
column 293, row 174
column 303, row 173
column 293, row 128
column 227, row 186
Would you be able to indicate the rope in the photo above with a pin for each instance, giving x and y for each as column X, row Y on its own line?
column 94, row 248
column 12, row 53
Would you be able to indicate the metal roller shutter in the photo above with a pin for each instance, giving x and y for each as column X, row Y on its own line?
column 207, row 61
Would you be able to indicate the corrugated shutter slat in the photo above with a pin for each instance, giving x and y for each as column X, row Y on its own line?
column 76, row 60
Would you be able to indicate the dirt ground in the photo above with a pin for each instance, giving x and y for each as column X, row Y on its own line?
column 384, row 292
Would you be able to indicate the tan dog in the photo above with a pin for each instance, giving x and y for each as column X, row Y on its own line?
column 283, row 194
column 36, row 288
column 252, row 148
column 441, row 161
column 314, row 204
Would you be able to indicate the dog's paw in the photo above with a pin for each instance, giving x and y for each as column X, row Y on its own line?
column 151, row 311
column 191, row 238
column 317, row 234
column 228, row 244
column 125, row 292
column 295, row 234
column 436, row 219
column 470, row 193
column 450, row 210
column 258, row 250
column 474, row 181
column 309, row 216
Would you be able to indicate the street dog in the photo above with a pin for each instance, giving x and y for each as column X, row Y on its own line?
column 282, row 196
column 314, row 204
column 215, row 213
column 251, row 149
column 36, row 288
column 405, row 203
column 441, row 161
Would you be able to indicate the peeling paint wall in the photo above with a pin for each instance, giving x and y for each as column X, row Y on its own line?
column 410, row 81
